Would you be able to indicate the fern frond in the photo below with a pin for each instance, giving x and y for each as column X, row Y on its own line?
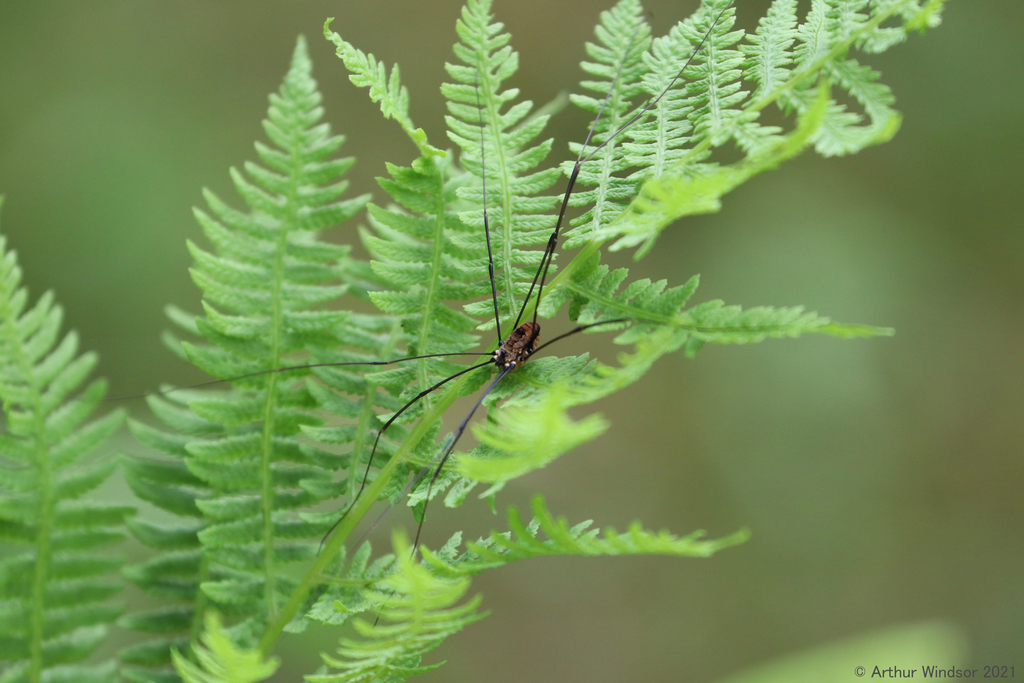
column 346, row 595
column 57, row 577
column 718, row 99
column 418, row 610
column 595, row 294
column 237, row 470
column 532, row 435
column 523, row 541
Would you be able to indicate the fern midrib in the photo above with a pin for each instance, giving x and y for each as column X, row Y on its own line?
column 713, row 100
column 436, row 256
column 615, row 120
column 277, row 323
column 46, row 499
column 507, row 274
column 661, row 146
column 199, row 611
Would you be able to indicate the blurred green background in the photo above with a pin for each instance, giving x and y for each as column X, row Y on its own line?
column 882, row 478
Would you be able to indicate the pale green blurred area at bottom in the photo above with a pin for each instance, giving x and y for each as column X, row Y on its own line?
column 881, row 478
column 909, row 648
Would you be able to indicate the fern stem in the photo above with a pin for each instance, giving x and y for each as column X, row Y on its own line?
column 266, row 475
column 42, row 564
column 267, row 437
column 42, row 551
column 199, row 611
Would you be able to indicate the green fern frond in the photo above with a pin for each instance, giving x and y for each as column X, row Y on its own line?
column 523, row 541
column 418, row 610
column 532, row 436
column 57, row 577
column 238, row 471
column 219, row 660
column 367, row 72
column 595, row 293
column 480, row 114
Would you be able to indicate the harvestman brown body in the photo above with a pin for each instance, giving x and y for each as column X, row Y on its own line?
column 519, row 346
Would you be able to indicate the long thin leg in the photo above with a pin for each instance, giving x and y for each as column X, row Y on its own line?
column 373, row 451
column 549, row 250
column 451, row 447
column 487, row 227
column 580, row 328
column 289, row 368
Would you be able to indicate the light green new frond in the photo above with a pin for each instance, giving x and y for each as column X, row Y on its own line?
column 418, row 611
column 367, row 72
column 524, row 541
column 221, row 661
column 532, row 436
column 480, row 114
column 57, row 576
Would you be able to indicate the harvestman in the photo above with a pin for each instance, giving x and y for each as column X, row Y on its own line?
column 516, row 349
